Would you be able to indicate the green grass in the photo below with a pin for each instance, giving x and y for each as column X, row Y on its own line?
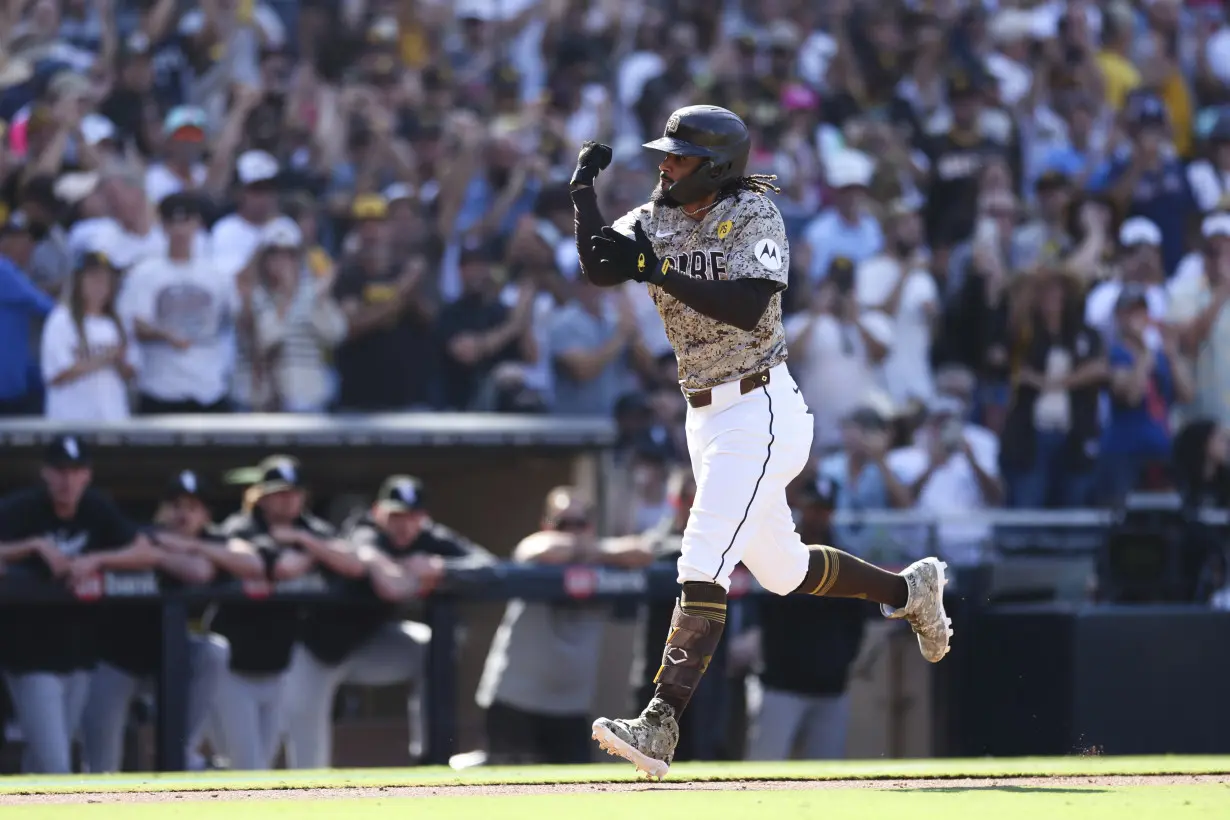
column 605, row 773
column 1004, row 803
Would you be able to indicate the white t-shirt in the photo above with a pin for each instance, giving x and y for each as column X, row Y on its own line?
column 234, row 240
column 99, row 396
column 160, row 182
column 953, row 490
column 907, row 369
column 833, row 372
column 126, row 249
column 196, row 302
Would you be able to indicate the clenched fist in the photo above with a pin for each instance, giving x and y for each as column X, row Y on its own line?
column 593, row 158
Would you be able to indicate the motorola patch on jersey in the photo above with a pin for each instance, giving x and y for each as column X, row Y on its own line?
column 768, row 254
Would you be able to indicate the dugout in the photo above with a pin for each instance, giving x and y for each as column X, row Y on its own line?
column 486, row 475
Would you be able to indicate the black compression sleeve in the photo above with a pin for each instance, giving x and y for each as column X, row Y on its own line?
column 587, row 223
column 738, row 302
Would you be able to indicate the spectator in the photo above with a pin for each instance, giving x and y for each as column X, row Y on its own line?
column 237, row 236
column 20, row 303
column 539, row 681
column 1050, row 441
column 51, row 262
column 1202, row 464
column 130, row 640
column 1145, row 385
column 1209, row 176
column 1139, row 263
column 836, row 352
column 1198, row 308
column 288, row 324
column 848, row 229
column 898, row 284
column 952, row 470
column 87, row 360
column 181, row 308
column 477, row 332
column 593, row 342
column 385, row 361
column 406, row 553
column 805, row 704
column 1146, row 178
column 66, row 531
column 292, row 544
column 861, row 475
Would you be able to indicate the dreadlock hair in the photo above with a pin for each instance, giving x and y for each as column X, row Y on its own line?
column 755, row 184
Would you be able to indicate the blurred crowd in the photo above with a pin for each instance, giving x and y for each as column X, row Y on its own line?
column 1009, row 225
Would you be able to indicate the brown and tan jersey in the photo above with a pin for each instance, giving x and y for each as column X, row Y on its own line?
column 743, row 237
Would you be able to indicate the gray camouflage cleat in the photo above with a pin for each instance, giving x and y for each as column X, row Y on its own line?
column 924, row 609
column 647, row 742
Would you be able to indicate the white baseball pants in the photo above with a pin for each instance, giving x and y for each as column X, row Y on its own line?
column 48, row 707
column 250, row 711
column 817, row 723
column 112, row 691
column 745, row 449
column 395, row 654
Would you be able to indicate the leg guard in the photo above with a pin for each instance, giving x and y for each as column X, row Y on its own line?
column 696, row 629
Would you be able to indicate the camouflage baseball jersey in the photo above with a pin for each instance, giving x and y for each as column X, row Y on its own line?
column 743, row 237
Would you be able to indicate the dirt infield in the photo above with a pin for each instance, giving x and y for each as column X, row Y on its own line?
column 485, row 790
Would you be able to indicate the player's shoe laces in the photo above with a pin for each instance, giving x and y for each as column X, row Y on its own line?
column 647, row 742
column 924, row 609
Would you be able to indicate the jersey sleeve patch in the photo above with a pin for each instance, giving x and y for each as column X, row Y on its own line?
column 766, row 251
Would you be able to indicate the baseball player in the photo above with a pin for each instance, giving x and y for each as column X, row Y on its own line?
column 711, row 246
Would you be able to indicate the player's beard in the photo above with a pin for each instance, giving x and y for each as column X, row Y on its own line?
column 659, row 196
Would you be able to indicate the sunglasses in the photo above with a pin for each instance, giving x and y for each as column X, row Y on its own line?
column 572, row 525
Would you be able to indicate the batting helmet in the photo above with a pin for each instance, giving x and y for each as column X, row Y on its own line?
column 705, row 131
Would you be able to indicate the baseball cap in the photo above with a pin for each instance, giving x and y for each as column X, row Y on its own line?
column 369, row 206
column 179, row 205
column 1051, row 179
column 401, row 493
column 282, row 234
column 93, row 259
column 850, row 169
column 397, row 192
column 256, row 167
column 1145, row 109
column 868, row 418
column 272, row 475
column 17, row 222
column 75, row 186
column 96, row 128
column 185, row 122
column 66, row 451
column 184, row 483
column 823, row 491
column 1139, row 231
column 1217, row 224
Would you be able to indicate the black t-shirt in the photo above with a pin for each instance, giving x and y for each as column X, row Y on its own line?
column 131, row 637
column 333, row 631
column 469, row 314
column 957, row 163
column 262, row 633
column 57, row 638
column 387, row 368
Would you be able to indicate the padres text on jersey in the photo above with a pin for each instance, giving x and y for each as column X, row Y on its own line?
column 743, row 237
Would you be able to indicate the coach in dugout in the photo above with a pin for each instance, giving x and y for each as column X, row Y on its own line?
column 63, row 530
column 191, row 551
column 541, row 674
column 291, row 543
column 366, row 642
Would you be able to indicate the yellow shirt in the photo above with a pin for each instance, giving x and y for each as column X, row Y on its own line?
column 1178, row 102
column 1119, row 76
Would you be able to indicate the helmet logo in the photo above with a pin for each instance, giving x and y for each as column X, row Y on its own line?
column 724, row 229
column 672, row 125
column 666, row 266
column 640, row 262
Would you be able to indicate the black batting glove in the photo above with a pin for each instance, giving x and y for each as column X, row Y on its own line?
column 634, row 258
column 593, row 158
